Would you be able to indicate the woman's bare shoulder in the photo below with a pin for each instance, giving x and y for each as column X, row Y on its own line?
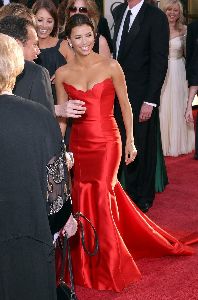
column 63, row 70
column 113, row 65
column 108, row 62
column 66, row 50
column 109, row 65
column 185, row 29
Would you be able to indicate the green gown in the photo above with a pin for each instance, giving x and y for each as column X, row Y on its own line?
column 161, row 178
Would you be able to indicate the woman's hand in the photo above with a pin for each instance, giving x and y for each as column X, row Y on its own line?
column 69, row 160
column 130, row 152
column 70, row 227
column 189, row 115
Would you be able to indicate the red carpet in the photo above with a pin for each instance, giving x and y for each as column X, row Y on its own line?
column 176, row 210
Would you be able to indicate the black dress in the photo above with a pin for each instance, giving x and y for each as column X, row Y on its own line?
column 30, row 137
column 96, row 44
column 51, row 59
column 103, row 29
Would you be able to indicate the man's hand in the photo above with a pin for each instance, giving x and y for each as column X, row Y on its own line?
column 145, row 112
column 70, row 109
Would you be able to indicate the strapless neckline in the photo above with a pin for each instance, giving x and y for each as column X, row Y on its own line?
column 90, row 89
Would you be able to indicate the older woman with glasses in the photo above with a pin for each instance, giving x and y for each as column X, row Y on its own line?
column 88, row 7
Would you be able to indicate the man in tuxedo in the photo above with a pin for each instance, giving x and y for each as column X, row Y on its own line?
column 191, row 45
column 141, row 45
column 34, row 82
column 192, row 70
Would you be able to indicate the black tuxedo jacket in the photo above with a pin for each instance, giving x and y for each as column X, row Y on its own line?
column 34, row 84
column 192, row 53
column 145, row 57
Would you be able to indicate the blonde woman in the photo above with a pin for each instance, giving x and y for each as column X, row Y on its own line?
column 177, row 135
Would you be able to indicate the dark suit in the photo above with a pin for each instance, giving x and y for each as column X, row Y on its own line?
column 191, row 53
column 144, row 62
column 34, row 84
column 192, row 65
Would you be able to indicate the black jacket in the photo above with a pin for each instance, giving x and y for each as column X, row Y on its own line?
column 34, row 84
column 30, row 136
column 145, row 58
column 192, row 54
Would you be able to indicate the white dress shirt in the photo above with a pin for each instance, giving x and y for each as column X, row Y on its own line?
column 134, row 11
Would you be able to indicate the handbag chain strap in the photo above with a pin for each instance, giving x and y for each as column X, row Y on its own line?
column 66, row 249
column 82, row 234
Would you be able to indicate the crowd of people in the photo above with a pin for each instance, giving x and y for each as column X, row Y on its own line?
column 130, row 101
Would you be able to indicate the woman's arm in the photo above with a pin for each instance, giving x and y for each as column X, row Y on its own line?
column 66, row 50
column 61, row 96
column 121, row 91
column 103, row 47
column 192, row 92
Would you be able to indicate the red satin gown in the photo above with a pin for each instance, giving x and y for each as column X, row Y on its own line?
column 124, row 232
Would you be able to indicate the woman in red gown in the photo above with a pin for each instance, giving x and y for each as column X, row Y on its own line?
column 124, row 232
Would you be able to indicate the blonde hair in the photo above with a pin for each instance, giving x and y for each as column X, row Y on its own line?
column 11, row 62
column 169, row 3
column 92, row 8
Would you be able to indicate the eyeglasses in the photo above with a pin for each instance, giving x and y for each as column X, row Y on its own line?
column 81, row 10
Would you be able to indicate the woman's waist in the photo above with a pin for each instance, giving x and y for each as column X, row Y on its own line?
column 94, row 140
column 95, row 128
column 95, row 120
column 176, row 55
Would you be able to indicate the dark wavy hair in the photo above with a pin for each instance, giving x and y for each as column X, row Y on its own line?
column 16, row 27
column 52, row 10
column 17, row 9
column 78, row 20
